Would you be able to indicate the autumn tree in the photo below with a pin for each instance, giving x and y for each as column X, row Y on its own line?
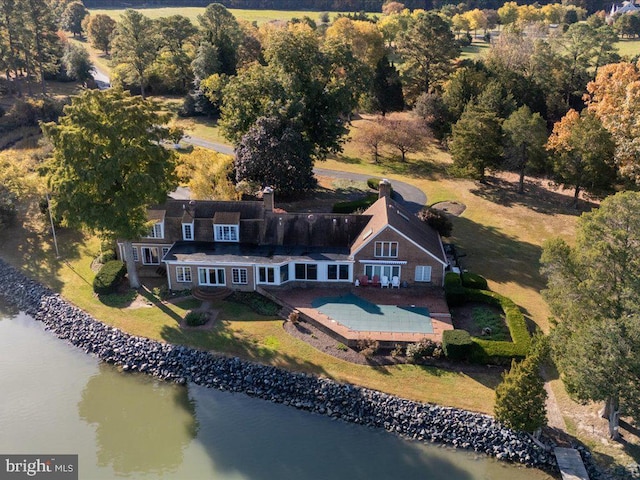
column 476, row 142
column 614, row 97
column 209, row 175
column 405, row 133
column 135, row 45
column 592, row 292
column 583, row 154
column 109, row 165
column 100, row 30
column 371, row 136
column 427, row 49
column 525, row 138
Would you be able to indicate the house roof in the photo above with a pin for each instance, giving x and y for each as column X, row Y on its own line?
column 226, row 218
column 243, row 254
column 385, row 213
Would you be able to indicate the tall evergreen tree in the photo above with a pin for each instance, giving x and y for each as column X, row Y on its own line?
column 41, row 44
column 386, row 89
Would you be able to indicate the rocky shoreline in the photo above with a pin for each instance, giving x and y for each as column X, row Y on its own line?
column 423, row 422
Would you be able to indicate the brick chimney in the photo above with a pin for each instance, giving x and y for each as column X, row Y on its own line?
column 384, row 188
column 267, row 198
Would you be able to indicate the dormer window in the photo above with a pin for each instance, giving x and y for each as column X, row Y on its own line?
column 226, row 233
column 226, row 227
column 187, row 231
column 157, row 231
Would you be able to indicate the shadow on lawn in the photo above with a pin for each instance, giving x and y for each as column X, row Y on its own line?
column 220, row 338
column 535, row 197
column 496, row 255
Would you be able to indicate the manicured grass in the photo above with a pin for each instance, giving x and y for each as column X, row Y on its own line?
column 486, row 318
column 258, row 16
column 475, row 50
column 628, row 47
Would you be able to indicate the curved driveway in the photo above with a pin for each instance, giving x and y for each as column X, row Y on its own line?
column 412, row 198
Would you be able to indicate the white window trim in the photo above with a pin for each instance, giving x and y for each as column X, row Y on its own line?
column 184, row 232
column 338, row 265
column 420, row 273
column 142, row 249
column 152, row 233
column 219, row 237
column 306, row 271
column 276, row 274
column 385, row 248
column 182, row 273
column 239, row 272
column 136, row 258
column 382, row 266
column 200, row 269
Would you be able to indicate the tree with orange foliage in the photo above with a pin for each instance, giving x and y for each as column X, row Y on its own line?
column 583, row 153
column 614, row 97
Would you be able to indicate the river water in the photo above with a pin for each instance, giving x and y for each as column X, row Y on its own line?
column 54, row 399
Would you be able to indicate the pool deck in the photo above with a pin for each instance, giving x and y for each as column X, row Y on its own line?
column 301, row 299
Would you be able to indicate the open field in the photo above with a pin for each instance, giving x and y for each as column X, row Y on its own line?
column 628, row 48
column 258, row 16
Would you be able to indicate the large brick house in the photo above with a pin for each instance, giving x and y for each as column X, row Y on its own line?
column 245, row 244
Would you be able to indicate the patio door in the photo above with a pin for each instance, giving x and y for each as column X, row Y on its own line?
column 388, row 271
column 211, row 276
column 150, row 256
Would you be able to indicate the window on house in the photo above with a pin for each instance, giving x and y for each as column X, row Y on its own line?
column 338, row 272
column 187, row 231
column 183, row 274
column 386, row 249
column 388, row 271
column 306, row 271
column 157, row 231
column 239, row 276
column 266, row 275
column 226, row 233
column 165, row 250
column 150, row 256
column 211, row 276
column 284, row 273
column 135, row 254
column 423, row 273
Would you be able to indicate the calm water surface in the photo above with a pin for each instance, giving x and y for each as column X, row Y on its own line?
column 56, row 399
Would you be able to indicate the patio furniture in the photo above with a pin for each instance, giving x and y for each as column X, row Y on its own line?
column 384, row 283
column 395, row 282
column 364, row 280
column 375, row 281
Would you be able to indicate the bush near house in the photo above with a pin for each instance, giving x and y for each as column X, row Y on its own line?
column 473, row 280
column 109, row 277
column 196, row 319
column 491, row 351
column 457, row 344
column 350, row 207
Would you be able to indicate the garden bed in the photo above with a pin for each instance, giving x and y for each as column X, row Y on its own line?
column 474, row 317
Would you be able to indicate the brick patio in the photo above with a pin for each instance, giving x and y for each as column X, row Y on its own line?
column 300, row 299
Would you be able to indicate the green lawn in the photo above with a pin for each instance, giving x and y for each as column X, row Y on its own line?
column 628, row 48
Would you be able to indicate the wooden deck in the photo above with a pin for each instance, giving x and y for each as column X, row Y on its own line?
column 300, row 299
column 570, row 464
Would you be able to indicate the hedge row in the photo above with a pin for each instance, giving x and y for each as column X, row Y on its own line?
column 491, row 351
column 350, row 207
column 109, row 277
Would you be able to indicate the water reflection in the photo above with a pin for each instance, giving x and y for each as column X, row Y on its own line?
column 141, row 424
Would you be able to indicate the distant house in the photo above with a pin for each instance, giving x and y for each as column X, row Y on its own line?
column 245, row 244
column 626, row 7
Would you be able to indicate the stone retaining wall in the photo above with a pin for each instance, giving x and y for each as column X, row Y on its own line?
column 424, row 422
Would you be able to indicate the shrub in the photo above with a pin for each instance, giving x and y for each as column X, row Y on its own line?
column 107, row 256
column 350, row 207
column 423, row 349
column 456, row 344
column 368, row 347
column 373, row 183
column 342, row 347
column 109, row 277
column 195, row 319
column 256, row 302
column 294, row 316
column 473, row 280
column 398, row 350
